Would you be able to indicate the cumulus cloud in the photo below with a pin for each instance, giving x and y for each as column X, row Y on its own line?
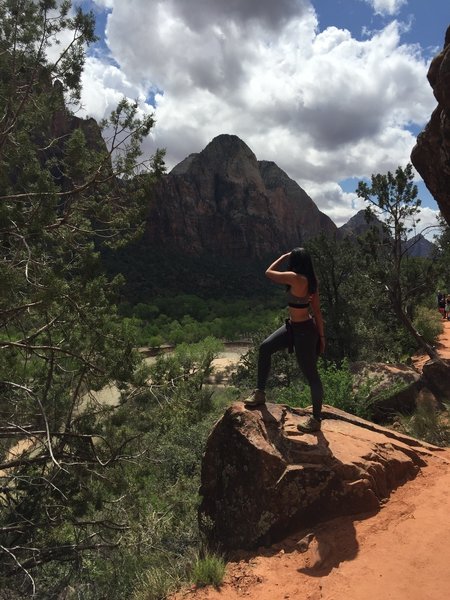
column 427, row 224
column 104, row 85
column 322, row 104
column 386, row 7
column 199, row 14
column 340, row 206
column 104, row 3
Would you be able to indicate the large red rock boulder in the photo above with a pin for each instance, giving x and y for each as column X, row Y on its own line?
column 262, row 478
column 436, row 374
column 393, row 388
column 431, row 154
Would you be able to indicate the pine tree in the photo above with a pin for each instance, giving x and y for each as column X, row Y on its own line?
column 64, row 192
column 394, row 198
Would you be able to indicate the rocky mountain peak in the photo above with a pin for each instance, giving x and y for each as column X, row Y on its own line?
column 227, row 156
column 223, row 202
column 419, row 246
column 358, row 225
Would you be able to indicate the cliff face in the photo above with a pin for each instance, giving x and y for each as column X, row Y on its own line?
column 431, row 154
column 223, row 201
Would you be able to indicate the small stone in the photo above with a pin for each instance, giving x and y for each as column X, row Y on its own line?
column 303, row 544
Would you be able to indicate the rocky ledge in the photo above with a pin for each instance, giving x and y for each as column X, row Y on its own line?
column 263, row 479
column 431, row 154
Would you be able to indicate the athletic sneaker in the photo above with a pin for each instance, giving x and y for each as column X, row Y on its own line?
column 309, row 426
column 256, row 398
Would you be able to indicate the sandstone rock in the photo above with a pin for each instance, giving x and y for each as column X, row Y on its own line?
column 394, row 388
column 224, row 202
column 262, row 478
column 431, row 154
column 436, row 374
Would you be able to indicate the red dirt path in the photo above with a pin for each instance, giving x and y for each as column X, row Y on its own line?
column 400, row 553
column 443, row 348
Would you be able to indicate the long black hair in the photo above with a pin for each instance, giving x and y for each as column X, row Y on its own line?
column 300, row 262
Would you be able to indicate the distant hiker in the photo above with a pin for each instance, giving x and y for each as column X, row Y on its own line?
column 447, row 308
column 302, row 331
column 441, row 303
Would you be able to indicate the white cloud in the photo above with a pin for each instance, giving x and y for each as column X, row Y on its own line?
column 427, row 223
column 323, row 105
column 104, row 3
column 104, row 85
column 386, row 7
column 340, row 206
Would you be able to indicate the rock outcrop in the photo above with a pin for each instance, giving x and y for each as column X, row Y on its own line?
column 224, row 202
column 393, row 388
column 262, row 478
column 431, row 154
column 436, row 374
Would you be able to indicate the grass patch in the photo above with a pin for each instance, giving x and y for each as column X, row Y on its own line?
column 428, row 424
column 209, row 570
column 155, row 584
column 428, row 323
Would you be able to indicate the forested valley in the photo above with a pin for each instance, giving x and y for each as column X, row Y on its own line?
column 93, row 493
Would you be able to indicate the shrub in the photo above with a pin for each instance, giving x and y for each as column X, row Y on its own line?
column 209, row 570
column 337, row 383
column 428, row 323
column 155, row 584
column 428, row 424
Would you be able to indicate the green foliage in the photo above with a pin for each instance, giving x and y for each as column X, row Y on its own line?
column 394, row 197
column 428, row 424
column 442, row 241
column 148, row 501
column 155, row 584
column 64, row 192
column 428, row 323
column 209, row 570
column 190, row 319
column 160, row 487
column 338, row 388
column 161, row 271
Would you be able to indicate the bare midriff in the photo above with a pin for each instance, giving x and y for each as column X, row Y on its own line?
column 298, row 315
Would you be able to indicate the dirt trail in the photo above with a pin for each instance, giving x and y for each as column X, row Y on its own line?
column 400, row 553
column 443, row 347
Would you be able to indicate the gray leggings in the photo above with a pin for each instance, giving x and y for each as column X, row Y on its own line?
column 305, row 339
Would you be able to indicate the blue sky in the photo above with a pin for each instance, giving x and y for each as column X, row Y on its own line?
column 331, row 90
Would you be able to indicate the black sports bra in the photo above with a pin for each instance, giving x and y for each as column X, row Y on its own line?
column 298, row 301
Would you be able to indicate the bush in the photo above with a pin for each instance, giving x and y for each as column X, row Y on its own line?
column 209, row 570
column 428, row 323
column 338, row 389
column 428, row 424
column 155, row 584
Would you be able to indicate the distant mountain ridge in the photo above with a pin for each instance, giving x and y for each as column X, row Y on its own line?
column 358, row 225
column 215, row 220
column 417, row 246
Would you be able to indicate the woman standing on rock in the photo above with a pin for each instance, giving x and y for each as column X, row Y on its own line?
column 302, row 331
